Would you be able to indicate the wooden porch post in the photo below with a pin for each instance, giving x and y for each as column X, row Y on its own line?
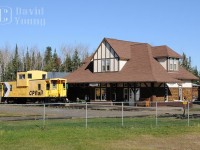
column 152, row 92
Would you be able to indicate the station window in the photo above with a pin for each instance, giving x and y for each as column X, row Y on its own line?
column 103, row 65
column 39, row 86
column 114, row 85
column 29, row 76
column 103, row 84
column 21, row 76
column 173, row 64
column 125, row 94
column 107, row 64
column 100, row 94
column 125, row 84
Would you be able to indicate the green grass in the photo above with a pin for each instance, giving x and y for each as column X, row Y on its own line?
column 106, row 133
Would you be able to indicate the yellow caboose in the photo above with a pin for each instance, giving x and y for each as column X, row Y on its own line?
column 33, row 86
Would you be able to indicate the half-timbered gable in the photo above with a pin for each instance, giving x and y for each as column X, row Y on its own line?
column 105, row 59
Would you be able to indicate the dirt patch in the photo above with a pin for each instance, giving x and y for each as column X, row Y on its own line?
column 148, row 142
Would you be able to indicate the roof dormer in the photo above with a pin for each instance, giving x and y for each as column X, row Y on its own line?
column 168, row 58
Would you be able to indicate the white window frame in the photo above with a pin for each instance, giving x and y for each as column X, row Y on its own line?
column 108, row 61
column 172, row 64
column 103, row 65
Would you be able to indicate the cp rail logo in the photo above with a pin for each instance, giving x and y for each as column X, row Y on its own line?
column 5, row 15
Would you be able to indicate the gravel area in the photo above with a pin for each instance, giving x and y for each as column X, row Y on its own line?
column 30, row 112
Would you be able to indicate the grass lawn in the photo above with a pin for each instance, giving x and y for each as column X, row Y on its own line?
column 101, row 134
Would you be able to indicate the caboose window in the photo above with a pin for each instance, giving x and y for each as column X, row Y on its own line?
column 39, row 86
column 10, row 87
column 53, row 84
column 43, row 76
column 63, row 85
column 30, row 76
column 47, row 86
column 21, row 76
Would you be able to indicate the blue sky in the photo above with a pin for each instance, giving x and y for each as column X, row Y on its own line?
column 175, row 23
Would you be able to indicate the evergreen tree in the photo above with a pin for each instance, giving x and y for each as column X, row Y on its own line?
column 15, row 63
column 27, row 61
column 67, row 64
column 187, row 64
column 184, row 61
column 56, row 62
column 195, row 71
column 76, row 62
column 48, row 60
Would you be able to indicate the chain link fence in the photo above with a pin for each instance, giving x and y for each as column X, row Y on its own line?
column 97, row 114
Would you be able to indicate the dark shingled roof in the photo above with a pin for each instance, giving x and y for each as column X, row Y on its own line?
column 183, row 74
column 140, row 67
column 122, row 48
column 164, row 51
column 57, row 74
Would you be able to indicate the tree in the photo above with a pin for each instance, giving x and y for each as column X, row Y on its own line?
column 195, row 71
column 6, row 57
column 1, row 64
column 9, row 73
column 76, row 62
column 16, row 64
column 48, row 60
column 33, row 61
column 39, row 62
column 27, row 63
column 2, row 71
column 187, row 64
column 82, row 51
column 68, row 50
column 67, row 64
column 12, row 61
column 56, row 61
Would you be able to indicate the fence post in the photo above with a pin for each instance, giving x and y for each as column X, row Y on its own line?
column 44, row 113
column 122, row 114
column 156, row 114
column 188, row 113
column 86, row 115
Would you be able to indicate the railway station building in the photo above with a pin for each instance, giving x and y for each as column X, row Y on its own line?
column 125, row 71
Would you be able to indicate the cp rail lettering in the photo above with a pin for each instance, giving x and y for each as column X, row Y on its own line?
column 36, row 92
